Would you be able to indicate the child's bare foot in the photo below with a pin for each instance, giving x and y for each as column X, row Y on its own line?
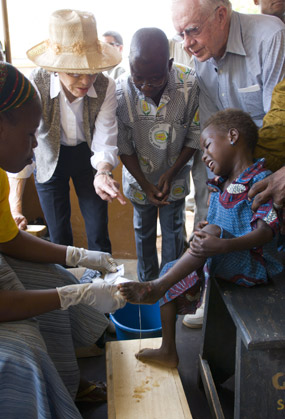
column 159, row 356
column 142, row 292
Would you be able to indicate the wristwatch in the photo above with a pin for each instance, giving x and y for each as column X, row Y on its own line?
column 104, row 172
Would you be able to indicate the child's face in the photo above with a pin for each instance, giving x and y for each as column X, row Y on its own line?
column 217, row 150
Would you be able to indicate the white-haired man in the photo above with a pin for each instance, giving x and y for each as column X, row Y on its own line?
column 239, row 58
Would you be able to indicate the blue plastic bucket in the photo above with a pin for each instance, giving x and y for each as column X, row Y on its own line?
column 127, row 323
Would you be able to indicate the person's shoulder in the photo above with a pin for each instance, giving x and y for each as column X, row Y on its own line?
column 4, row 184
column 259, row 171
column 184, row 68
column 105, row 81
column 40, row 74
column 3, row 175
column 181, row 72
column 260, row 25
column 117, row 71
column 124, row 88
column 123, row 82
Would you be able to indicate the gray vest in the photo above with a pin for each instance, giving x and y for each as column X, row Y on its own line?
column 48, row 135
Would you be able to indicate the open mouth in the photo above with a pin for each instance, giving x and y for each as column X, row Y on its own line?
column 210, row 164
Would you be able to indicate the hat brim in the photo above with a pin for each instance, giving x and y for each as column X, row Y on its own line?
column 90, row 62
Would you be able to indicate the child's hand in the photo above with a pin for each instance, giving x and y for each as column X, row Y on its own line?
column 201, row 225
column 206, row 245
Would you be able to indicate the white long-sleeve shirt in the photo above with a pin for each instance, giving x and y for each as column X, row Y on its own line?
column 104, row 142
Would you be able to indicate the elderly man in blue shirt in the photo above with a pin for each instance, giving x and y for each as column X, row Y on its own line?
column 239, row 58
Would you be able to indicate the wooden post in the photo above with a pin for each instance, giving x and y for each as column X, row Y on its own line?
column 7, row 45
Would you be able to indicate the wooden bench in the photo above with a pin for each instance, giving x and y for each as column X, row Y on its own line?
column 142, row 391
column 244, row 335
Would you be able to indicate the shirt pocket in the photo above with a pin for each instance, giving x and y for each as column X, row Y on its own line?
column 252, row 100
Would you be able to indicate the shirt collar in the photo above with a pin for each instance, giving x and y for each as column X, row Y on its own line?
column 55, row 87
column 234, row 44
column 244, row 178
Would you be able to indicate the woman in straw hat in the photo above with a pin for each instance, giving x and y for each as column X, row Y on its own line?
column 41, row 315
column 77, row 136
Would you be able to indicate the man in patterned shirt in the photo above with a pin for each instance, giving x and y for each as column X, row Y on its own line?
column 157, row 137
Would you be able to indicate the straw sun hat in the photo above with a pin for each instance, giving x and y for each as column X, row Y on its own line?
column 73, row 45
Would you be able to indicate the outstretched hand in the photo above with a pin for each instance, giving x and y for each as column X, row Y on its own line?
column 206, row 245
column 272, row 186
column 108, row 189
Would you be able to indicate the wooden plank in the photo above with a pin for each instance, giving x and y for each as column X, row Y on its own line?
column 210, row 389
column 36, row 230
column 138, row 390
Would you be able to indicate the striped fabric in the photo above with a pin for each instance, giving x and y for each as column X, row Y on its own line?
column 15, row 88
column 39, row 375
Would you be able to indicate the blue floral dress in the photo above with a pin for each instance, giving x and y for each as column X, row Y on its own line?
column 230, row 209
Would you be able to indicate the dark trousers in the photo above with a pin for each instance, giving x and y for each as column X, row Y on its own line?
column 54, row 196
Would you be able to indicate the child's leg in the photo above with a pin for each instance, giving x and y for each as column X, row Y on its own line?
column 149, row 293
column 166, row 355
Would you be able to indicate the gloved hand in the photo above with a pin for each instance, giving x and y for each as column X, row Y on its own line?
column 100, row 294
column 91, row 259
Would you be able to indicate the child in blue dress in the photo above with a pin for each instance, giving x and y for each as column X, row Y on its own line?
column 235, row 243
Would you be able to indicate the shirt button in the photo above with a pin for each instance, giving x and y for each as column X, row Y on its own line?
column 220, row 72
column 223, row 94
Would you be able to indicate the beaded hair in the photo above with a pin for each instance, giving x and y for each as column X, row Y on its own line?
column 15, row 88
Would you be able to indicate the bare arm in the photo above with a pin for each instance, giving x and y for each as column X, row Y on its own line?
column 31, row 248
column 19, row 305
column 104, row 147
column 17, row 187
column 207, row 245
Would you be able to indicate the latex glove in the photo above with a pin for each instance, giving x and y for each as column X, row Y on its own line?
column 91, row 259
column 100, row 295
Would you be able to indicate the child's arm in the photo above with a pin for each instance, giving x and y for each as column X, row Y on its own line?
column 207, row 245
